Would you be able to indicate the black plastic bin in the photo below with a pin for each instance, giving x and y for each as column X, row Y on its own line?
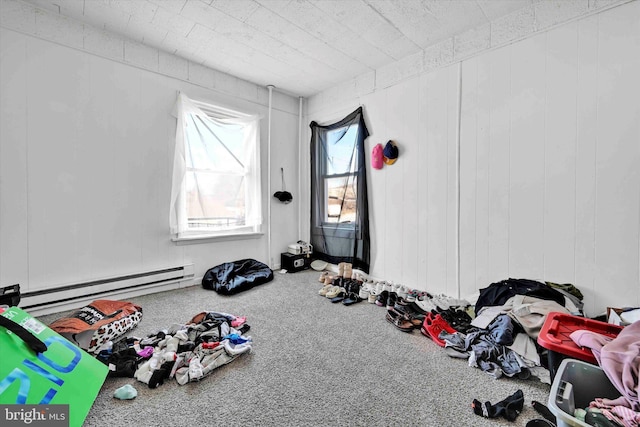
column 10, row 295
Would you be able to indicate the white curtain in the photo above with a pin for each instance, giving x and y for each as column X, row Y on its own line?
column 195, row 128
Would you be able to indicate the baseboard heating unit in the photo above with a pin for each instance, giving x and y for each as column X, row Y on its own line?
column 73, row 296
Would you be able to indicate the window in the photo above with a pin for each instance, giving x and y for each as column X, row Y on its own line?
column 339, row 203
column 339, row 175
column 216, row 179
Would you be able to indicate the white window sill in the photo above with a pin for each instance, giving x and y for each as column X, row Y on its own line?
column 209, row 238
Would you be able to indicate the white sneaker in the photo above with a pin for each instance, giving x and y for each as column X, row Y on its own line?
column 379, row 287
column 323, row 291
column 425, row 303
column 401, row 291
column 386, row 286
column 365, row 286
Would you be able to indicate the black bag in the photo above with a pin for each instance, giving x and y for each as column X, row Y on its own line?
column 236, row 276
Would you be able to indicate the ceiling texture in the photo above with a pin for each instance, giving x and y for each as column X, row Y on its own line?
column 302, row 47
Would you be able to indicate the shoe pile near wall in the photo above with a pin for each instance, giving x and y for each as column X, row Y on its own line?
column 498, row 348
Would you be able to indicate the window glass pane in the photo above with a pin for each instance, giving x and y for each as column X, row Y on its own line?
column 220, row 201
column 341, row 151
column 338, row 189
column 213, row 146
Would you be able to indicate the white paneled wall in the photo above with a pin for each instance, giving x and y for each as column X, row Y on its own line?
column 519, row 162
column 86, row 155
column 413, row 202
column 562, row 110
column 436, row 181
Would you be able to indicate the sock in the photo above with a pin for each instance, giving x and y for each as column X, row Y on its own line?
column 544, row 411
column 238, row 321
column 187, row 346
column 480, row 409
column 146, row 352
column 182, row 375
column 144, row 372
column 195, row 369
column 125, row 392
column 509, row 408
column 123, row 363
column 159, row 375
column 123, row 368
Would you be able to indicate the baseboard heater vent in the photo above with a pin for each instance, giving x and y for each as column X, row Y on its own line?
column 74, row 296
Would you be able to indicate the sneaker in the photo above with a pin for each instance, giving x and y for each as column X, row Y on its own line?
column 391, row 300
column 364, row 293
column 402, row 291
column 365, row 285
column 432, row 327
column 323, row 291
column 425, row 303
column 379, row 287
column 381, row 300
column 351, row 298
column 372, row 298
column 334, row 291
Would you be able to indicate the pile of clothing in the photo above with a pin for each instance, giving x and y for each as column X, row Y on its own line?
column 509, row 314
column 187, row 352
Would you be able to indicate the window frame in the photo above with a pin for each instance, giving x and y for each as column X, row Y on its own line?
column 192, row 235
column 347, row 227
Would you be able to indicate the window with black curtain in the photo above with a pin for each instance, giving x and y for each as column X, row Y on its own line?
column 339, row 203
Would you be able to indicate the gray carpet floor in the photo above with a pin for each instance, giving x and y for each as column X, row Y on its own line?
column 313, row 363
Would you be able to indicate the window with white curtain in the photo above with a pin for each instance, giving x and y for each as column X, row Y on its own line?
column 216, row 172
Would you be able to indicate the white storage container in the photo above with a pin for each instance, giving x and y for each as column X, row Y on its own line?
column 575, row 385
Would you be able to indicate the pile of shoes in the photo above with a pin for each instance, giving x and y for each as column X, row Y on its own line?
column 407, row 309
column 432, row 327
column 344, row 288
column 403, row 314
column 458, row 318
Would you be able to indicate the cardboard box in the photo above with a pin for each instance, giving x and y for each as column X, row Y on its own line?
column 616, row 316
column 613, row 316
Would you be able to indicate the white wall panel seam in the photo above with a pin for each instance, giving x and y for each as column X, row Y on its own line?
column 595, row 165
column 457, row 186
column 544, row 152
column 510, row 101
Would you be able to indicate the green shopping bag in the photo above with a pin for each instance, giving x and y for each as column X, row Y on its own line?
column 39, row 366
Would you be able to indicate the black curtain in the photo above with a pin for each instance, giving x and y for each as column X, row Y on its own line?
column 339, row 202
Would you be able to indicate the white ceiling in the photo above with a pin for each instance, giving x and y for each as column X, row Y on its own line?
column 300, row 46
